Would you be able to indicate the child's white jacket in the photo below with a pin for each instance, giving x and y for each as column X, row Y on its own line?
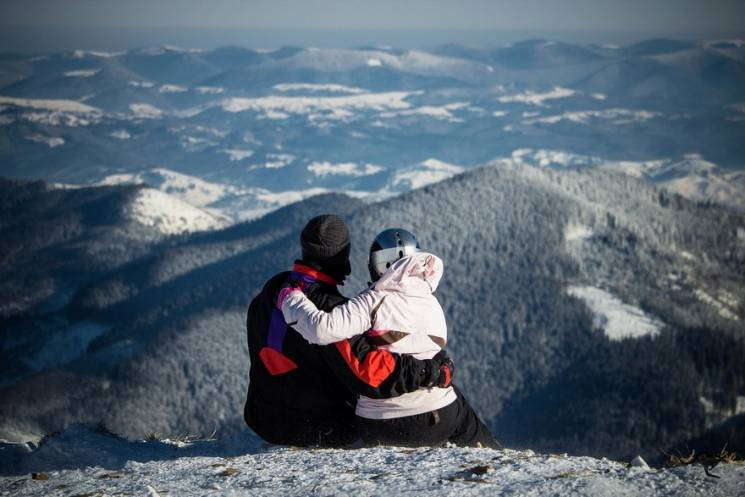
column 399, row 314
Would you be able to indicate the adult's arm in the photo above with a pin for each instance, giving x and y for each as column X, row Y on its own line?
column 377, row 373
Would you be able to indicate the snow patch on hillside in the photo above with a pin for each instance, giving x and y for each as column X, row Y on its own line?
column 81, row 73
column 343, row 169
column 236, row 154
column 425, row 173
column 614, row 116
column 141, row 84
column 278, row 161
column 189, row 189
column 50, row 141
column 576, row 232
column 121, row 134
column 548, row 158
column 81, row 54
column 311, row 87
column 224, row 203
column 51, row 104
column 535, row 98
column 210, row 90
column 170, row 215
column 433, row 111
column 61, row 118
column 438, row 165
column 617, row 319
column 145, row 111
column 82, row 461
column 170, row 88
column 725, row 304
column 334, row 107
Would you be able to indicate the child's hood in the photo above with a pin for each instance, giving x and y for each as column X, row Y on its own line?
column 416, row 273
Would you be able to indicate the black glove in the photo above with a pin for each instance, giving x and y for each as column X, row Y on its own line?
column 441, row 372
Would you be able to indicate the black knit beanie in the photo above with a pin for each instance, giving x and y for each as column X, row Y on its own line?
column 325, row 241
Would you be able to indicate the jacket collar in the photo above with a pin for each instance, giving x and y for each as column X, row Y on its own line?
column 306, row 270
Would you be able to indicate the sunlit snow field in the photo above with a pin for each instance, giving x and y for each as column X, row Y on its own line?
column 109, row 466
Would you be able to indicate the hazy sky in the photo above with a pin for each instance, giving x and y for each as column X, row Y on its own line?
column 52, row 25
column 663, row 15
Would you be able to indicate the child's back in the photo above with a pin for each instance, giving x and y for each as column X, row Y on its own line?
column 408, row 319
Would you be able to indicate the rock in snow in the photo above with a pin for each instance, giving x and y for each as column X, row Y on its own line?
column 82, row 461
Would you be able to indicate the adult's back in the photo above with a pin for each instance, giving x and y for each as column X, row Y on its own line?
column 294, row 396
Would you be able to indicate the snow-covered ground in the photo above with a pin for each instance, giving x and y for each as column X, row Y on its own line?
column 82, row 461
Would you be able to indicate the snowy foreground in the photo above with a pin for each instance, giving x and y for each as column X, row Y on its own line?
column 82, row 461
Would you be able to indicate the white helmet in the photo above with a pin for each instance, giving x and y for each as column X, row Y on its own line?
column 388, row 247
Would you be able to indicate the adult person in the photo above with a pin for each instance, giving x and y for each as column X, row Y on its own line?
column 302, row 394
column 398, row 313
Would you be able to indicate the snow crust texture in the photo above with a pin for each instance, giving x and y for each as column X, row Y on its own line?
column 84, row 462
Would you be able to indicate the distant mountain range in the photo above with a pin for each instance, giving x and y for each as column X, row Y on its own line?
column 272, row 127
column 589, row 312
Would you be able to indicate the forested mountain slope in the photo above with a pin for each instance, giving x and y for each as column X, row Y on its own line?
column 589, row 312
column 529, row 354
column 52, row 239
